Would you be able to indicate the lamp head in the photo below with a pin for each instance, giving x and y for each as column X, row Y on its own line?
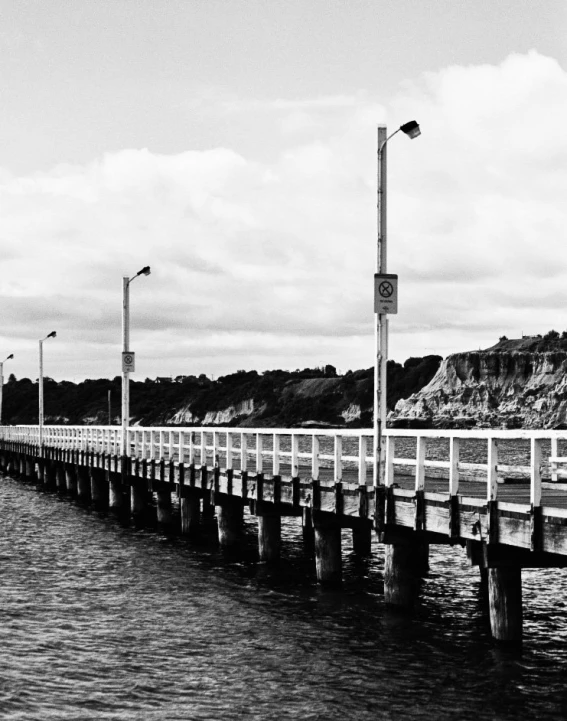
column 145, row 271
column 53, row 334
column 10, row 356
column 411, row 129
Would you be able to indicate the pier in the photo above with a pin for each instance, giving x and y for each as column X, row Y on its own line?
column 498, row 493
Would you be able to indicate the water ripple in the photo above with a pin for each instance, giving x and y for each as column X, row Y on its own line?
column 99, row 621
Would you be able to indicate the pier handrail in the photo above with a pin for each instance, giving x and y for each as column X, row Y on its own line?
column 338, row 455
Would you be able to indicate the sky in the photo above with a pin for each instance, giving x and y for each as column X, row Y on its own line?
column 231, row 146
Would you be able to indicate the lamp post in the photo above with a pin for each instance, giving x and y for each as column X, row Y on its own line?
column 2, row 382
column 53, row 334
column 127, row 359
column 411, row 129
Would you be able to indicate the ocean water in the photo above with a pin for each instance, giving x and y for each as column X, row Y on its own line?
column 99, row 620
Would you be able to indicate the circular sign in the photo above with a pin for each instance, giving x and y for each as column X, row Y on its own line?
column 128, row 359
column 385, row 289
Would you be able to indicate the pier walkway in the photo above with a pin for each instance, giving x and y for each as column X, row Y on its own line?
column 499, row 493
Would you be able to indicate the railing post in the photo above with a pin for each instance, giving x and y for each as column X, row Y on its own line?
column 362, row 460
column 276, row 455
column 259, row 457
column 338, row 460
column 229, row 450
column 243, row 452
column 554, row 454
column 315, row 457
column 492, row 490
column 492, row 470
column 294, row 455
column 535, row 495
column 454, row 453
column 390, row 457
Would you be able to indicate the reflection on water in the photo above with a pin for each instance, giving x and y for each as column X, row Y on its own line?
column 100, row 621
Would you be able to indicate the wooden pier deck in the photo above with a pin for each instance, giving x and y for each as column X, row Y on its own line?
column 499, row 493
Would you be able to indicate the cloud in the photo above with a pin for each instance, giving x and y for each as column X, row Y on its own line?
column 271, row 259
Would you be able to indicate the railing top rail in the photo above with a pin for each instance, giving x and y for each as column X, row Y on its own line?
column 478, row 433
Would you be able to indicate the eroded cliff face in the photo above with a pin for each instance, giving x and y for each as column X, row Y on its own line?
column 492, row 388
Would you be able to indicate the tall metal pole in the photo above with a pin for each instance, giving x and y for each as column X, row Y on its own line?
column 40, row 381
column 109, row 409
column 124, row 445
column 1, row 388
column 381, row 326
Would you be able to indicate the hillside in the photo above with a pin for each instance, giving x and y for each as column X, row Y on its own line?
column 269, row 399
column 513, row 384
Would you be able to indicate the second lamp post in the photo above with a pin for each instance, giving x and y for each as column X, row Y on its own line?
column 385, row 295
column 53, row 334
column 127, row 359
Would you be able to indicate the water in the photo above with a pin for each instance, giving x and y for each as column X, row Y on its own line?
column 100, row 621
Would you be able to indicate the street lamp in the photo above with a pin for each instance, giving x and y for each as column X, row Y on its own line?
column 127, row 358
column 389, row 284
column 2, row 382
column 53, row 334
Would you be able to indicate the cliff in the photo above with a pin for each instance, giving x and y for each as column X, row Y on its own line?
column 312, row 396
column 515, row 384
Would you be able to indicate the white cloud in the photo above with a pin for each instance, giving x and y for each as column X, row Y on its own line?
column 269, row 262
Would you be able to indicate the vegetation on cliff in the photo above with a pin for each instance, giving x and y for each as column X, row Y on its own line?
column 268, row 399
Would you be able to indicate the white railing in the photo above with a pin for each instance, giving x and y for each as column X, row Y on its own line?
column 345, row 455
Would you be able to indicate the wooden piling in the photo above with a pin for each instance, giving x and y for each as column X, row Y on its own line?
column 164, row 510
column 71, row 478
column 115, row 500
column 30, row 468
column 83, row 484
column 99, row 488
column 138, row 501
column 230, row 518
column 403, row 568
column 307, row 529
column 190, row 508
column 50, row 474
column 505, row 603
column 328, row 557
column 269, row 532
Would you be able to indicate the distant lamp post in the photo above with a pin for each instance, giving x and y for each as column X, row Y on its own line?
column 412, row 130
column 127, row 359
column 2, row 381
column 53, row 334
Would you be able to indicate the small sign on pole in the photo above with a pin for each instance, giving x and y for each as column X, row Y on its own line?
column 128, row 362
column 385, row 293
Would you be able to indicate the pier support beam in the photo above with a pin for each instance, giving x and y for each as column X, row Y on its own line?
column 138, row 502
column 30, row 468
column 328, row 557
column 83, row 484
column 60, row 479
column 230, row 518
column 49, row 474
column 505, row 603
column 115, row 500
column 307, row 529
column 190, row 508
column 164, row 510
column 99, row 488
column 403, row 568
column 71, row 479
column 269, row 532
